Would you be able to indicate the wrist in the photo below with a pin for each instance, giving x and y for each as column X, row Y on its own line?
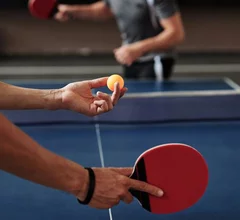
column 91, row 188
column 52, row 99
column 81, row 186
column 140, row 48
column 143, row 47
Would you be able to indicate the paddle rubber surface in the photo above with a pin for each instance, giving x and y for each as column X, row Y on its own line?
column 179, row 170
column 43, row 9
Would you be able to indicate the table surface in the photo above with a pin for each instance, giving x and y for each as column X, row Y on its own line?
column 120, row 145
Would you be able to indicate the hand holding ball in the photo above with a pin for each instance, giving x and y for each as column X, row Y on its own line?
column 113, row 79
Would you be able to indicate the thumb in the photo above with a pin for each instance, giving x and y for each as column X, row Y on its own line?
column 96, row 83
column 145, row 187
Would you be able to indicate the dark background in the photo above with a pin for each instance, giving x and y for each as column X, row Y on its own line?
column 217, row 3
column 212, row 26
column 212, row 37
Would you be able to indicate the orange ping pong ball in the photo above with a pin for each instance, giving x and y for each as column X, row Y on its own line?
column 113, row 79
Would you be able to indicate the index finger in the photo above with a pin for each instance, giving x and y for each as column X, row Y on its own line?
column 117, row 93
column 145, row 187
column 97, row 83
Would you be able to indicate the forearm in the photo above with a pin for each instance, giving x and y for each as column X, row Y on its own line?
column 13, row 97
column 23, row 157
column 96, row 11
column 164, row 41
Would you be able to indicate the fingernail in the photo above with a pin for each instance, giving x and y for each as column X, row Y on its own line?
column 116, row 84
column 160, row 193
column 98, row 93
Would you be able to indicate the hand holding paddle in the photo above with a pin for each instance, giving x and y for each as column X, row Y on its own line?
column 165, row 179
column 112, row 186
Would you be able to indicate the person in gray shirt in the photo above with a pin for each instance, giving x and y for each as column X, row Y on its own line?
column 150, row 31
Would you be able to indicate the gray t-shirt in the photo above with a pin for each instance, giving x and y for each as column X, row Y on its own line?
column 140, row 19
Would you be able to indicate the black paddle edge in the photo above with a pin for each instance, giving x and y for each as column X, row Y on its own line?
column 54, row 11
column 140, row 174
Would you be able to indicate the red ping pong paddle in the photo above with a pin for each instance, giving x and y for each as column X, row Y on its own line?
column 179, row 170
column 43, row 9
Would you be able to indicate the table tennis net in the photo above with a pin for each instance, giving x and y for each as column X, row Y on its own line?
column 160, row 107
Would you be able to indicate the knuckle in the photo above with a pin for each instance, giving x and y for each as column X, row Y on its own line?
column 122, row 194
column 104, row 103
column 123, row 180
column 109, row 100
column 110, row 107
column 105, row 106
column 141, row 185
column 104, row 95
column 109, row 206
column 130, row 201
column 117, row 201
column 145, row 187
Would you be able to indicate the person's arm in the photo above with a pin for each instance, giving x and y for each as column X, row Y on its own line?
column 97, row 11
column 169, row 17
column 173, row 34
column 23, row 157
column 14, row 97
column 76, row 96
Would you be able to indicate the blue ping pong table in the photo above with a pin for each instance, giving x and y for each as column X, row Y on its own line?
column 202, row 113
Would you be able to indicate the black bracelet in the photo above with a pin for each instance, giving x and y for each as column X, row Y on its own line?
column 91, row 187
